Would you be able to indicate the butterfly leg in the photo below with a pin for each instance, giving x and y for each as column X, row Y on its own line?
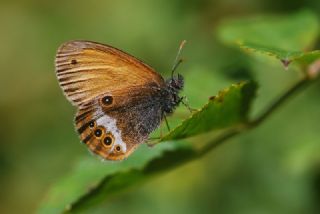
column 161, row 130
column 153, row 140
column 184, row 101
column 165, row 118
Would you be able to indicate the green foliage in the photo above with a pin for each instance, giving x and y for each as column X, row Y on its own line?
column 285, row 37
column 272, row 169
column 229, row 107
column 96, row 181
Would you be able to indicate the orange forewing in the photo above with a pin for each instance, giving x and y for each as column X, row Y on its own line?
column 87, row 69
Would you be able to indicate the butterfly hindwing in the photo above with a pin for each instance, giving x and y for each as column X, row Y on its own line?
column 113, row 125
column 101, row 135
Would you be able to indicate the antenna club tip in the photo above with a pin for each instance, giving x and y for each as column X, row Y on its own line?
column 182, row 43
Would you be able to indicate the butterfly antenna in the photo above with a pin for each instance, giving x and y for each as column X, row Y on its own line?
column 178, row 60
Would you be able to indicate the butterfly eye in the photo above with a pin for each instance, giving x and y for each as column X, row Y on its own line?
column 107, row 100
column 108, row 140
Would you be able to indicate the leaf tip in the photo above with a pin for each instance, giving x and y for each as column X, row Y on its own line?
column 285, row 63
column 212, row 98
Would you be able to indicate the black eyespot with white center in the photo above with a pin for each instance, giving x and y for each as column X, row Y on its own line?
column 98, row 132
column 107, row 141
column 118, row 148
column 107, row 100
column 92, row 124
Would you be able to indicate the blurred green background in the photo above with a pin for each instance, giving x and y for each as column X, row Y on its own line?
column 273, row 169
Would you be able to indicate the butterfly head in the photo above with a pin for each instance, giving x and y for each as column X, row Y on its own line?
column 171, row 98
column 176, row 83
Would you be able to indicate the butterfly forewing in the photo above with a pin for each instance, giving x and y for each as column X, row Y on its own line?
column 85, row 70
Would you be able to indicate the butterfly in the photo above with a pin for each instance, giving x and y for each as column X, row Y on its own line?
column 120, row 99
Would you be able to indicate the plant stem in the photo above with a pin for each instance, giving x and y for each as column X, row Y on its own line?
column 296, row 88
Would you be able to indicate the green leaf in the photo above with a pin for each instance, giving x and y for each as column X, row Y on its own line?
column 92, row 181
column 286, row 57
column 285, row 37
column 229, row 107
column 113, row 184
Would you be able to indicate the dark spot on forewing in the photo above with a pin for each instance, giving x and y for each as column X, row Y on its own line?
column 107, row 100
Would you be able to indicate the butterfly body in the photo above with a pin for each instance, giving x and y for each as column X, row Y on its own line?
column 120, row 99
